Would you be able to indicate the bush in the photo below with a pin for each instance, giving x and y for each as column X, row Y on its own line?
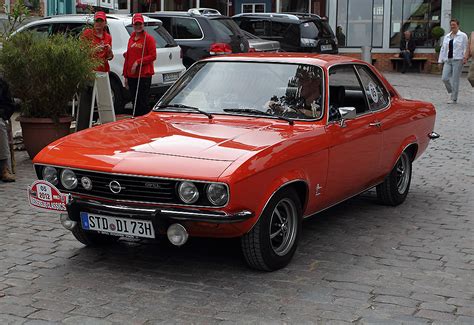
column 437, row 32
column 45, row 73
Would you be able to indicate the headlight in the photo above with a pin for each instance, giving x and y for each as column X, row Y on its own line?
column 217, row 194
column 188, row 192
column 50, row 174
column 68, row 179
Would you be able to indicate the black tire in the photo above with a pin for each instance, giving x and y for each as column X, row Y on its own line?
column 394, row 190
column 118, row 96
column 258, row 248
column 89, row 238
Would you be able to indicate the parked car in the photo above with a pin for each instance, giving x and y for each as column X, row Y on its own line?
column 296, row 32
column 257, row 44
column 168, row 65
column 297, row 134
column 202, row 34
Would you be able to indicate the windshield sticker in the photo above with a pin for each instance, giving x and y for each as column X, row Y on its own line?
column 373, row 92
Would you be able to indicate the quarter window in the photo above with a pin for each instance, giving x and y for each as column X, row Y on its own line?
column 376, row 94
column 187, row 29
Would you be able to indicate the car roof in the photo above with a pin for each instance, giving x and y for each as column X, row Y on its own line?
column 322, row 60
column 184, row 14
column 127, row 18
column 289, row 17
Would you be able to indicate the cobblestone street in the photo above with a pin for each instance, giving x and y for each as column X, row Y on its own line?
column 359, row 262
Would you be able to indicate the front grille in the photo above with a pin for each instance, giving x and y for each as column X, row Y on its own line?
column 133, row 188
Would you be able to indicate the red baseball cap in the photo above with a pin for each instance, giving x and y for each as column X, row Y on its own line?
column 138, row 18
column 100, row 15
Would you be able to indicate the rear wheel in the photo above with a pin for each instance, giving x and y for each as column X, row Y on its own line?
column 272, row 242
column 394, row 190
column 92, row 239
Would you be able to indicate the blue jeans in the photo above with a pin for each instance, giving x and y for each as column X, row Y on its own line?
column 407, row 56
column 451, row 74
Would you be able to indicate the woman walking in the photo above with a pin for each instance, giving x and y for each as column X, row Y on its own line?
column 138, row 67
column 452, row 54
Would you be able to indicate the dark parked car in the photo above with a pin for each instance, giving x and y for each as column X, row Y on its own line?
column 296, row 32
column 202, row 34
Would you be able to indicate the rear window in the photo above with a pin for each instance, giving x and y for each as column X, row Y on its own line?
column 315, row 29
column 161, row 36
column 224, row 27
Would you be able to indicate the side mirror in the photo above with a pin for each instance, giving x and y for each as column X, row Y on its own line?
column 348, row 113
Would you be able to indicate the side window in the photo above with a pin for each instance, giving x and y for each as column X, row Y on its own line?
column 345, row 91
column 70, row 29
column 377, row 95
column 43, row 30
column 187, row 28
column 259, row 28
column 167, row 25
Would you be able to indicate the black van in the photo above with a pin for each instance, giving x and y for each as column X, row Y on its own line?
column 296, row 32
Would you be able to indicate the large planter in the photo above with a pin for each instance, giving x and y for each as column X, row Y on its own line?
column 39, row 132
column 436, row 68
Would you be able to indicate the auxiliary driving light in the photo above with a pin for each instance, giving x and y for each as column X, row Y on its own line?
column 50, row 174
column 177, row 234
column 66, row 222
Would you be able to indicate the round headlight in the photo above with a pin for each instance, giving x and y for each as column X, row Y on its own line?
column 68, row 179
column 188, row 192
column 50, row 174
column 217, row 194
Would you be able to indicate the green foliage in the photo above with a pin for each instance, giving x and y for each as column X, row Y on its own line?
column 45, row 73
column 437, row 32
column 15, row 17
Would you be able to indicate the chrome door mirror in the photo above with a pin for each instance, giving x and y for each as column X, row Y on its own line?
column 348, row 113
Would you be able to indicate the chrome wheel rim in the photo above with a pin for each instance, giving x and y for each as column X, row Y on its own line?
column 403, row 171
column 283, row 227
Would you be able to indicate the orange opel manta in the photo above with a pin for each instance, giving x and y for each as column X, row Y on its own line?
column 242, row 146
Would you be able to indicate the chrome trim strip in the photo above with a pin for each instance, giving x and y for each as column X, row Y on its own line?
column 149, row 177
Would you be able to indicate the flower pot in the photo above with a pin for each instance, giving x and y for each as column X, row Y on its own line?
column 39, row 132
column 436, row 68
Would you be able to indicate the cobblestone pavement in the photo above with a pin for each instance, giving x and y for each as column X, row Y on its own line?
column 359, row 262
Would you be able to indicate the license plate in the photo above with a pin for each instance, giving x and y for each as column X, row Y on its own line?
column 326, row 47
column 168, row 77
column 117, row 226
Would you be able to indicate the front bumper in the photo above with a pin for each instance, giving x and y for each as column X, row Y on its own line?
column 159, row 216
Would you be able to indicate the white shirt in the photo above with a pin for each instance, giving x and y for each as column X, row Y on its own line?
column 459, row 46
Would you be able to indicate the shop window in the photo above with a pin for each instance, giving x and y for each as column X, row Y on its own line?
column 172, row 5
column 250, row 8
column 417, row 16
column 220, row 5
column 360, row 23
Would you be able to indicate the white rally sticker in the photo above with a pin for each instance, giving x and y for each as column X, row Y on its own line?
column 44, row 195
column 373, row 92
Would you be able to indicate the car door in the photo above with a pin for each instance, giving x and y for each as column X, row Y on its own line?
column 354, row 145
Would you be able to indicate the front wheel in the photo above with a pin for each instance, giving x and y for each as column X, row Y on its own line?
column 272, row 242
column 394, row 190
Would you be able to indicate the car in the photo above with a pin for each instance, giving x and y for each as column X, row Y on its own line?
column 168, row 65
column 257, row 44
column 296, row 32
column 201, row 33
column 242, row 146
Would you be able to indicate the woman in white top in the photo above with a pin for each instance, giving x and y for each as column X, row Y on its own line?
column 452, row 54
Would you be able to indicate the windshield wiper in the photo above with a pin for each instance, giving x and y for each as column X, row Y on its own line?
column 209, row 115
column 258, row 112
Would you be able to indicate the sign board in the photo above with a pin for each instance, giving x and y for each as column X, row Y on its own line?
column 106, row 4
column 46, row 196
column 88, row 2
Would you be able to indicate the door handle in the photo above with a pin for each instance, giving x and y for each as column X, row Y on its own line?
column 376, row 124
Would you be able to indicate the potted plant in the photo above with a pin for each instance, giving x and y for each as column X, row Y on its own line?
column 45, row 73
column 437, row 32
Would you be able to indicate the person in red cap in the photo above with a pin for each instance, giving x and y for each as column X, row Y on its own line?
column 100, row 40
column 138, row 66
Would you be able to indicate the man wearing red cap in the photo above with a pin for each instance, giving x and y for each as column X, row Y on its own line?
column 101, row 40
column 138, row 66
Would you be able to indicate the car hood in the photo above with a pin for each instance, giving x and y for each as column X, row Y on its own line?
column 168, row 144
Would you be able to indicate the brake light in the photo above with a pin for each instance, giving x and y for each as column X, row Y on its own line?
column 220, row 48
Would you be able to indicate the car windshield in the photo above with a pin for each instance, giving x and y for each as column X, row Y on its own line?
column 161, row 36
column 315, row 30
column 250, row 88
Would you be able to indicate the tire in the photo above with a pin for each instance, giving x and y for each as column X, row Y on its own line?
column 262, row 252
column 118, row 96
column 394, row 190
column 92, row 239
